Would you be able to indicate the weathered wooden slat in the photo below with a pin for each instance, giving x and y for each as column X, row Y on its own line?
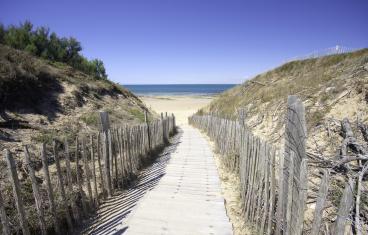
column 3, row 216
column 114, row 157
column 272, row 193
column 358, row 226
column 13, row 176
column 111, row 162
column 87, row 171
column 289, row 212
column 265, row 206
column 346, row 204
column 295, row 141
column 50, row 192
column 69, row 178
column 80, row 179
column 297, row 228
column 105, row 126
column 36, row 191
column 94, row 176
column 61, row 187
column 99, row 150
column 107, row 175
column 320, row 204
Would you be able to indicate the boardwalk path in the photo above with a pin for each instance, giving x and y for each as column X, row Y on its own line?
column 185, row 198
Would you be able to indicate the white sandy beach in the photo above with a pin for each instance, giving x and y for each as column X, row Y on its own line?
column 181, row 106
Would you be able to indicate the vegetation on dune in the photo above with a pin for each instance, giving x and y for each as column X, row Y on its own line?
column 40, row 42
column 318, row 82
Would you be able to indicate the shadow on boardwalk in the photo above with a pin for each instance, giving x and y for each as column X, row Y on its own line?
column 113, row 211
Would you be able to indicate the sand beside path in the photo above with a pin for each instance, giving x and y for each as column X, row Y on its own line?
column 181, row 106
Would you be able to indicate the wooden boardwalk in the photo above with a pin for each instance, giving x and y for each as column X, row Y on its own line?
column 187, row 199
column 178, row 194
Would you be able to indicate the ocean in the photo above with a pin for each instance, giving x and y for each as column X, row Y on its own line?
column 179, row 89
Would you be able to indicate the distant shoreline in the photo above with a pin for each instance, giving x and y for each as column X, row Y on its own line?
column 177, row 90
column 174, row 96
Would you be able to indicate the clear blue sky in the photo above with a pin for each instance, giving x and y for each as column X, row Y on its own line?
column 196, row 41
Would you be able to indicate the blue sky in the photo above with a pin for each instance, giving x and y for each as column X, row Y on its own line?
column 196, row 41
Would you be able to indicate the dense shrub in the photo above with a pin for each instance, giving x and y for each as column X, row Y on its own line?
column 40, row 42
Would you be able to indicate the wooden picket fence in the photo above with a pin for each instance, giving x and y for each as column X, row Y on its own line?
column 274, row 183
column 87, row 171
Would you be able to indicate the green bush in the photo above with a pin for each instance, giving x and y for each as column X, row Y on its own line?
column 137, row 114
column 90, row 119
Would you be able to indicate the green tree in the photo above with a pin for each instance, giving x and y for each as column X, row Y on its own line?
column 40, row 38
column 99, row 69
column 41, row 43
column 20, row 37
column 2, row 33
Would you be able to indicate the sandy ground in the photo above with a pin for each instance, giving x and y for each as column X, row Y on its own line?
column 181, row 106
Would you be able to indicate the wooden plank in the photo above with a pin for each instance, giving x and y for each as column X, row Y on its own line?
column 87, row 171
column 289, row 200
column 266, row 190
column 107, row 176
column 301, row 202
column 111, row 161
column 13, row 176
column 50, row 193
column 346, row 204
column 272, row 193
column 105, row 121
column 94, row 176
column 3, row 216
column 281, row 210
column 61, row 187
column 80, row 179
column 36, row 191
column 358, row 226
column 114, row 153
column 69, row 178
column 121, row 153
column 259, row 189
column 320, row 204
column 99, row 150
column 295, row 141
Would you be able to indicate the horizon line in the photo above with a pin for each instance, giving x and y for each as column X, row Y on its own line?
column 158, row 84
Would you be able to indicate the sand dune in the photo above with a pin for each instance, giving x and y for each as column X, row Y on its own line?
column 181, row 106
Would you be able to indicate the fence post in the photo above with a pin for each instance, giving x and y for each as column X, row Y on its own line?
column 346, row 203
column 272, row 193
column 105, row 123
column 94, row 171
column 13, row 176
column 61, row 186
column 79, row 178
column 36, row 191
column 174, row 123
column 75, row 211
column 3, row 216
column 100, row 165
column 87, row 171
column 295, row 139
column 163, row 129
column 301, row 201
column 148, row 131
column 322, row 195
column 49, row 188
column 111, row 159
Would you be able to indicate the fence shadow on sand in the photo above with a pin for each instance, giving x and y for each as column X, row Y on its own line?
column 109, row 218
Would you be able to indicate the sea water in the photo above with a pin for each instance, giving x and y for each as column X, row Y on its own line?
column 179, row 89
